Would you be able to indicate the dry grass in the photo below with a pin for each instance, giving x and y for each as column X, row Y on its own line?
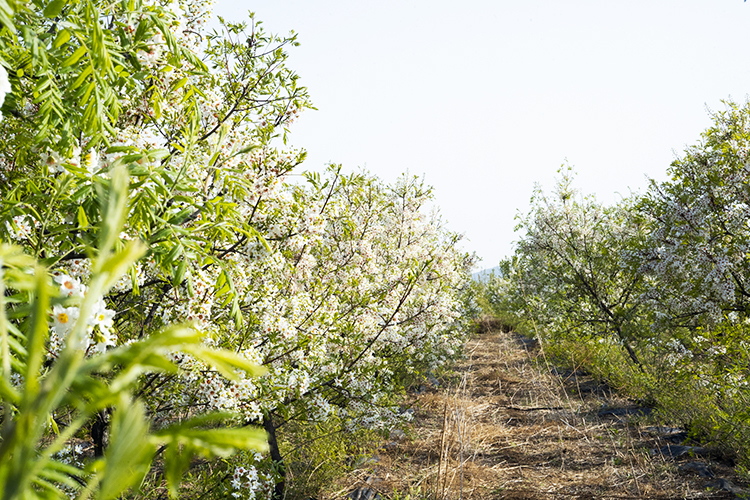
column 505, row 425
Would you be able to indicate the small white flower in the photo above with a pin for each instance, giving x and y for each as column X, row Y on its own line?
column 64, row 319
column 91, row 161
column 102, row 317
column 75, row 158
column 53, row 161
column 23, row 226
column 70, row 287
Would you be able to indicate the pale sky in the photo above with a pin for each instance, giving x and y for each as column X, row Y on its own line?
column 487, row 98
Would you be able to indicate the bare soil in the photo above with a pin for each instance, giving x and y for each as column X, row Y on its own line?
column 505, row 424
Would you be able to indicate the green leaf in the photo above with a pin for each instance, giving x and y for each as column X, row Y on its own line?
column 146, row 355
column 222, row 442
column 117, row 265
column 83, row 221
column 178, row 84
column 61, row 39
column 128, row 456
column 186, row 439
column 246, row 149
column 115, row 201
column 181, row 216
column 224, row 361
column 74, row 57
column 82, row 77
column 120, row 149
column 61, row 473
column 176, row 462
column 37, row 333
column 8, row 392
column 42, row 97
column 160, row 235
column 156, row 106
column 172, row 255
column 158, row 154
column 54, row 8
column 179, row 274
column 137, row 170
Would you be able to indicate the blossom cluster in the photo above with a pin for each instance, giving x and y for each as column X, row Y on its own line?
column 99, row 324
column 248, row 482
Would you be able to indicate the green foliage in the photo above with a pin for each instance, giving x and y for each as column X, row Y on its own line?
column 88, row 386
column 72, row 62
column 317, row 454
column 494, row 303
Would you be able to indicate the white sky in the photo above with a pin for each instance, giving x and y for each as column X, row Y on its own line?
column 486, row 98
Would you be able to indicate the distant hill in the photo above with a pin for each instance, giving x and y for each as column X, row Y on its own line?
column 484, row 274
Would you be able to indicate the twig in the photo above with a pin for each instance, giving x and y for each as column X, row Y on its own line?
column 534, row 408
column 443, row 451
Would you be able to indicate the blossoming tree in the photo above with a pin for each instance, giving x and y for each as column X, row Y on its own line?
column 336, row 287
column 701, row 243
column 664, row 272
column 571, row 267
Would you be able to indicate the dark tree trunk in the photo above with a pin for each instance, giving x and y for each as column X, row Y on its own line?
column 98, row 430
column 278, row 491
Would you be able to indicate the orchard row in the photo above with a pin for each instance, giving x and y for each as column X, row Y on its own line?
column 652, row 292
column 145, row 184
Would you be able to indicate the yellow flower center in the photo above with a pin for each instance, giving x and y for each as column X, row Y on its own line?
column 62, row 318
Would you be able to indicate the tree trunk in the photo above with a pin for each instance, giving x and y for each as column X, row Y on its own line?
column 98, row 430
column 278, row 491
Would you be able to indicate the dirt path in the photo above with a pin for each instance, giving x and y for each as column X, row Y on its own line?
column 506, row 425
